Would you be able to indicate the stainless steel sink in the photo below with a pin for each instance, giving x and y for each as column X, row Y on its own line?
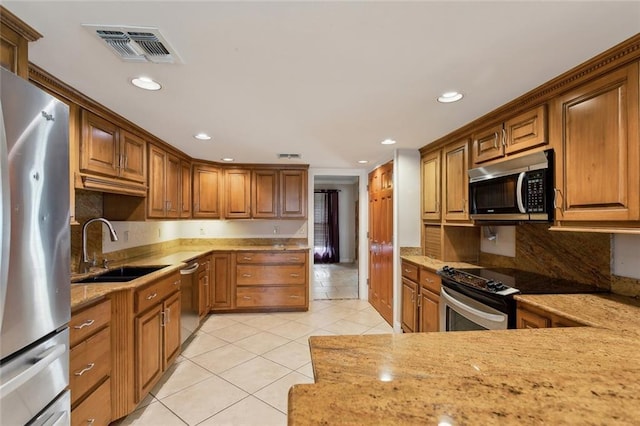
column 122, row 274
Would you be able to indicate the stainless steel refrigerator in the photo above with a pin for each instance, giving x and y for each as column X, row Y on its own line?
column 34, row 255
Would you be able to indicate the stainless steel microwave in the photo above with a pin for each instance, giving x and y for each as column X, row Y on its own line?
column 518, row 189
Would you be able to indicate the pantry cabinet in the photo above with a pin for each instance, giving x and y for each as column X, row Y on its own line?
column 455, row 181
column 595, row 128
column 207, row 181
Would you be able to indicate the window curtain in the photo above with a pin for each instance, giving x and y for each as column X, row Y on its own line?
column 326, row 230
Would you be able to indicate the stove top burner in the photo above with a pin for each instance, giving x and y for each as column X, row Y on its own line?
column 489, row 285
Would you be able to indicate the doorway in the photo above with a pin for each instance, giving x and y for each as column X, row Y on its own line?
column 335, row 254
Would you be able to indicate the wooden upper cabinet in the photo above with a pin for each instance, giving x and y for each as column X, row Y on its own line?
column 264, row 194
column 172, row 189
column 431, row 186
column 163, row 200
column 293, row 194
column 15, row 36
column 524, row 131
column 237, row 184
column 133, row 157
column 455, row 181
column 99, row 146
column 206, row 191
column 185, row 192
column 598, row 155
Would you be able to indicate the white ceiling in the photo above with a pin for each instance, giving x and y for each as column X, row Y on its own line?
column 328, row 80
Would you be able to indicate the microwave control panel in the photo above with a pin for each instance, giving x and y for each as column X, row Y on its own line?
column 535, row 192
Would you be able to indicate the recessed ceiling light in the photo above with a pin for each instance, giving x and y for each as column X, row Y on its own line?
column 146, row 83
column 448, row 97
column 227, row 159
column 363, row 161
column 388, row 142
column 202, row 137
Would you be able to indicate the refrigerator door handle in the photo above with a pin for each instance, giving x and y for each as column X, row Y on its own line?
column 5, row 216
column 42, row 362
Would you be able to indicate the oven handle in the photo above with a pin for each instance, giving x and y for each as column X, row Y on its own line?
column 484, row 315
column 519, row 192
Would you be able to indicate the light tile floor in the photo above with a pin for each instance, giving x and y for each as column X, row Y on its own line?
column 239, row 367
column 335, row 281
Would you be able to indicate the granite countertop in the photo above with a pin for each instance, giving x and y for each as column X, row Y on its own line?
column 435, row 264
column 577, row 375
column 175, row 258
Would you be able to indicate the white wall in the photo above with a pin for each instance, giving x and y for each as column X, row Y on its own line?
column 346, row 219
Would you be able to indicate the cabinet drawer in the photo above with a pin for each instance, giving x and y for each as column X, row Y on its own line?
column 410, row 271
column 270, row 275
column 90, row 362
column 153, row 294
column 96, row 409
column 430, row 281
column 249, row 297
column 87, row 321
column 271, row 257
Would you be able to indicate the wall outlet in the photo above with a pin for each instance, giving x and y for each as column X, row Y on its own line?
column 201, row 231
column 159, row 233
column 126, row 236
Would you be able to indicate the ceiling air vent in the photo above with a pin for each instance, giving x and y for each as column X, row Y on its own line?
column 135, row 44
column 289, row 156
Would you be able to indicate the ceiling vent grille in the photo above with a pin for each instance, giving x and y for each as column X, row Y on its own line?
column 289, row 156
column 135, row 44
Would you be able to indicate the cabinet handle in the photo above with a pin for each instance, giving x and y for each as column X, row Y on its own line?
column 556, row 191
column 293, row 296
column 177, row 283
column 428, row 280
column 91, row 421
column 126, row 161
column 87, row 323
column 246, row 297
column 247, row 258
column 504, row 137
column 294, row 259
column 294, row 275
column 162, row 320
column 437, row 206
column 152, row 296
column 167, row 315
column 464, row 205
column 407, row 270
column 246, row 275
column 196, row 207
column 84, row 370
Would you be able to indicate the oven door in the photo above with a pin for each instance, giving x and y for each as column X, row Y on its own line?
column 462, row 313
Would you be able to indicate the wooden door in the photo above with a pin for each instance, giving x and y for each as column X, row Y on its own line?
column 206, row 191
column 597, row 162
column 488, row 144
column 156, row 206
column 185, row 189
column 431, row 186
column 172, row 189
column 429, row 311
column 237, row 194
column 133, row 157
column 171, row 329
column 409, row 305
column 374, row 242
column 455, row 181
column 99, row 145
column 526, row 130
column 293, row 194
column 149, row 350
column 221, row 292
column 264, row 194
column 386, row 267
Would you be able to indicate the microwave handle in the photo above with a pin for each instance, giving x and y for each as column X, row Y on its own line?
column 519, row 192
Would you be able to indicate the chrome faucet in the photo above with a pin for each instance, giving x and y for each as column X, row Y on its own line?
column 86, row 264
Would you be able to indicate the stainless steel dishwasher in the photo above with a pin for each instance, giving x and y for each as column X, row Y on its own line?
column 189, row 319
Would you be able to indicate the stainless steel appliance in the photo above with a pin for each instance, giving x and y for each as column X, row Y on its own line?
column 34, row 260
column 189, row 301
column 482, row 299
column 519, row 189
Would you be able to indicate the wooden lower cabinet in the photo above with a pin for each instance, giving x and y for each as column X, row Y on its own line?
column 409, row 306
column 221, row 295
column 420, row 299
column 204, row 286
column 90, row 364
column 528, row 316
column 429, row 314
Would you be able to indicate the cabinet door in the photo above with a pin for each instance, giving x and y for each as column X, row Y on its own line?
column 526, row 131
column 456, row 181
column 293, row 194
column 172, row 188
column 206, row 192
column 598, row 158
column 221, row 292
column 185, row 192
column 149, row 350
column 203, row 288
column 409, row 305
column 264, row 194
column 99, row 146
column 488, row 144
column 527, row 319
column 431, row 186
column 237, row 184
column 133, row 157
column 171, row 329
column 155, row 199
column 429, row 311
